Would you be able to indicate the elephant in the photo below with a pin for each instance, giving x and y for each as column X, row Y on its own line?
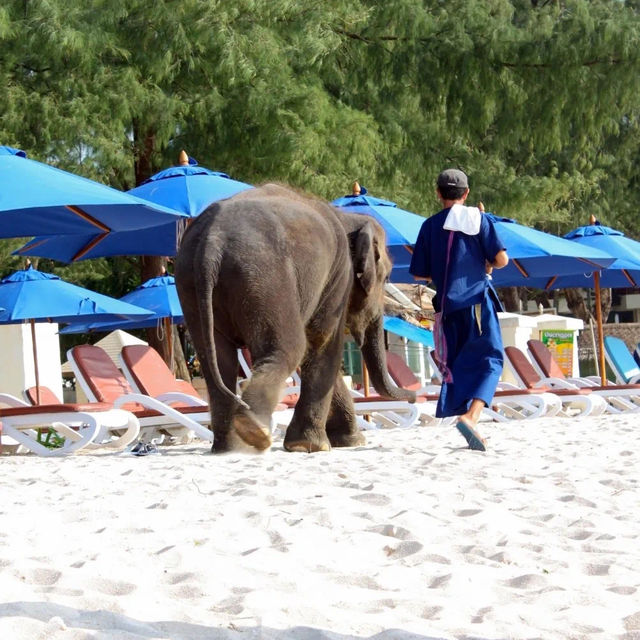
column 284, row 274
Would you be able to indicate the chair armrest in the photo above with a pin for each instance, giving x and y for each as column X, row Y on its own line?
column 507, row 386
column 151, row 403
column 12, row 401
column 429, row 389
column 558, row 383
column 184, row 398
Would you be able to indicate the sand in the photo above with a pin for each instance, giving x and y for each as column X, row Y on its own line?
column 412, row 536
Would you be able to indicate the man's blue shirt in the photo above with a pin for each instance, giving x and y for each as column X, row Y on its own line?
column 467, row 279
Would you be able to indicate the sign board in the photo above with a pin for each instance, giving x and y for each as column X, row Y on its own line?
column 560, row 344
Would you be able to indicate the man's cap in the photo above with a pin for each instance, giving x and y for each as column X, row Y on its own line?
column 453, row 178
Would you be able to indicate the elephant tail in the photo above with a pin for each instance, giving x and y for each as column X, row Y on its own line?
column 207, row 279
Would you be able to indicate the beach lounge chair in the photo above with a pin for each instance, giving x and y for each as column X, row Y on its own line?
column 113, row 433
column 77, row 425
column 575, row 401
column 147, row 373
column 511, row 403
column 102, row 381
column 622, row 363
column 621, row 398
column 636, row 354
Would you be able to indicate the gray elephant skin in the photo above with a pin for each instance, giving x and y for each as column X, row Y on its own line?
column 285, row 275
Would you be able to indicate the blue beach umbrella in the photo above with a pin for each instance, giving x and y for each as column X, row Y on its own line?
column 401, row 227
column 535, row 254
column 158, row 295
column 409, row 331
column 36, row 198
column 623, row 272
column 34, row 296
column 187, row 188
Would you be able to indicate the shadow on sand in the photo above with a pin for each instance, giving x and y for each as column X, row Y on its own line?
column 78, row 620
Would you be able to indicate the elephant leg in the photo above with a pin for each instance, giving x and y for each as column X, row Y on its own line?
column 273, row 361
column 221, row 405
column 307, row 429
column 342, row 427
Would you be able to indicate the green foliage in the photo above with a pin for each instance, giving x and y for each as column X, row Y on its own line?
column 537, row 101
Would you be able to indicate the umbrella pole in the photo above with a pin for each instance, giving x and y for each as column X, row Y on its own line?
column 603, row 371
column 365, row 384
column 169, row 333
column 35, row 359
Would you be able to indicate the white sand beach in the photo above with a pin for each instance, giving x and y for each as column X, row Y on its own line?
column 409, row 537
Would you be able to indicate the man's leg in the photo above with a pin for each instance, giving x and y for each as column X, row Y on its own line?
column 467, row 422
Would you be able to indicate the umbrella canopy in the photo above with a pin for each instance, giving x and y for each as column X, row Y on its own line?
column 401, row 227
column 43, row 297
column 187, row 188
column 36, row 197
column 536, row 254
column 158, row 295
column 409, row 331
column 623, row 272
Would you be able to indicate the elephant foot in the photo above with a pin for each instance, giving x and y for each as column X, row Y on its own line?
column 220, row 447
column 251, row 431
column 306, row 446
column 351, row 439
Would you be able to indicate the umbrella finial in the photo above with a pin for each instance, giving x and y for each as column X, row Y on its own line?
column 355, row 188
column 481, row 206
column 183, row 159
column 592, row 219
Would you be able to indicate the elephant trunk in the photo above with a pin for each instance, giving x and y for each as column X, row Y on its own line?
column 374, row 355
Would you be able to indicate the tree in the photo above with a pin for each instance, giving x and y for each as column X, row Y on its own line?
column 537, row 101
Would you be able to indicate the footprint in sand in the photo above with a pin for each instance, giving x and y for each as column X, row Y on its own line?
column 431, row 613
column 187, row 592
column 392, row 531
column 44, row 577
column 404, row 549
column 527, row 581
column 580, row 534
column 114, row 588
column 479, row 617
column 372, row 498
column 177, row 578
column 623, row 591
column 234, row 605
column 440, row 581
column 596, row 569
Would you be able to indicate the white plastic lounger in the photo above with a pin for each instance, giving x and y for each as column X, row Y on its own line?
column 79, row 425
column 102, row 381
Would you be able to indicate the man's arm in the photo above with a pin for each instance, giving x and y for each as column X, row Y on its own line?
column 501, row 260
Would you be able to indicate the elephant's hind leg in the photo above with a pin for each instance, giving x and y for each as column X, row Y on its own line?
column 271, row 367
column 342, row 426
column 222, row 406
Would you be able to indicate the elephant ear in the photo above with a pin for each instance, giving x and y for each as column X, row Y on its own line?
column 365, row 256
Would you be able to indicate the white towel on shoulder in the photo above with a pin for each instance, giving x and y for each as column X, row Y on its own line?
column 463, row 218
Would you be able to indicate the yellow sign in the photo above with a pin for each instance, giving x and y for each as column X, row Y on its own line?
column 560, row 343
